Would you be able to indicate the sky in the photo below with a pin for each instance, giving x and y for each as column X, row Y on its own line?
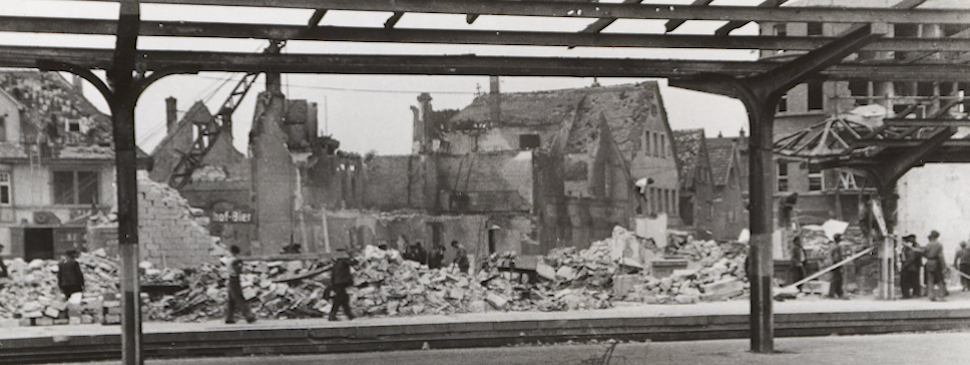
column 372, row 112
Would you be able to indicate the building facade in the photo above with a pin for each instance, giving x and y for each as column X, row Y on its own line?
column 56, row 164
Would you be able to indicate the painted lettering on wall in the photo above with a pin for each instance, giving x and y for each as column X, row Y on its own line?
column 233, row 216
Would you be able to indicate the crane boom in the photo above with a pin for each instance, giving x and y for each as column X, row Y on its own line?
column 210, row 130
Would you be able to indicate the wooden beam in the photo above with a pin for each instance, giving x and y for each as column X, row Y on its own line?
column 27, row 56
column 606, row 10
column 524, row 38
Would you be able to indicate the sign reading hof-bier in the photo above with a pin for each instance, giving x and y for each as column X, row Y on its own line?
column 233, row 216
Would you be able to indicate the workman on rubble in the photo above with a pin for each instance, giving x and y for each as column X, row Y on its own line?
column 962, row 263
column 340, row 279
column 935, row 264
column 912, row 264
column 236, row 299
column 461, row 257
column 69, row 276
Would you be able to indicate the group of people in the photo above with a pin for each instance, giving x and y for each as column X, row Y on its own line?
column 913, row 257
column 841, row 250
column 915, row 260
column 435, row 258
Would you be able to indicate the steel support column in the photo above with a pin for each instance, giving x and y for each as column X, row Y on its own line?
column 121, row 79
column 760, row 96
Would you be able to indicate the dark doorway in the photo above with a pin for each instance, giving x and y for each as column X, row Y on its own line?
column 492, row 240
column 38, row 244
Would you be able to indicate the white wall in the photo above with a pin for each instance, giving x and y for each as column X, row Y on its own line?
column 936, row 196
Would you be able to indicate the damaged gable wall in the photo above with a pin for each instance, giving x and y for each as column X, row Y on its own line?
column 274, row 176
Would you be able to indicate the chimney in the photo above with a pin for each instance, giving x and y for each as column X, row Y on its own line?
column 77, row 83
column 495, row 97
column 421, row 133
column 171, row 115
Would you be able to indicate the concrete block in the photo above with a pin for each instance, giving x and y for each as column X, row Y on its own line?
column 623, row 284
column 496, row 301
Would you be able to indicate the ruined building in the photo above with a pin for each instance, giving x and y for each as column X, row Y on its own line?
column 254, row 202
column 540, row 170
column 56, row 164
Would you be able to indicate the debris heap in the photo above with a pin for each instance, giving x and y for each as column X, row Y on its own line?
column 31, row 293
column 617, row 268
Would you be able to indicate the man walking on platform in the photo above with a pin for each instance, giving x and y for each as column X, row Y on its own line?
column 835, row 284
column 340, row 279
column 69, row 276
column 798, row 258
column 935, row 263
column 962, row 263
column 236, row 300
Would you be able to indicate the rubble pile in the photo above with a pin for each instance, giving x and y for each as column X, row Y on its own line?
column 267, row 287
column 390, row 285
column 617, row 268
column 31, row 291
column 722, row 280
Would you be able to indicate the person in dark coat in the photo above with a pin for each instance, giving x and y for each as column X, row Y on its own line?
column 236, row 299
column 962, row 263
column 461, row 257
column 436, row 257
column 935, row 263
column 912, row 264
column 798, row 259
column 69, row 276
column 836, row 289
column 340, row 279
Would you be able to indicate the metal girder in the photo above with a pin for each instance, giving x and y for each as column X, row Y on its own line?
column 784, row 77
column 735, row 24
column 312, row 23
column 392, row 21
column 907, row 143
column 601, row 23
column 674, row 24
column 197, row 61
column 890, row 171
column 605, row 10
column 363, row 34
column 927, row 122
